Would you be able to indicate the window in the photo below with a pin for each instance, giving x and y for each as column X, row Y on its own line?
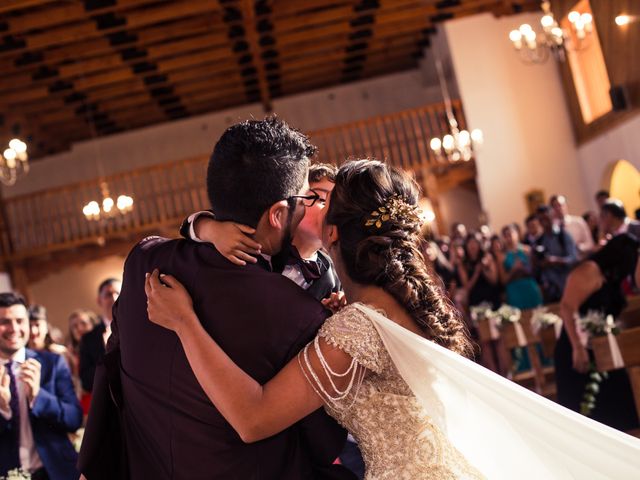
column 588, row 70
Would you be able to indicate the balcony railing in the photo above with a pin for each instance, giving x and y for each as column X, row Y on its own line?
column 52, row 219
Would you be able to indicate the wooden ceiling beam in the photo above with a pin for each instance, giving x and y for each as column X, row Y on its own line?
column 133, row 19
column 251, row 34
column 11, row 5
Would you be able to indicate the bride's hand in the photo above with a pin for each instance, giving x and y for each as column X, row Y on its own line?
column 168, row 302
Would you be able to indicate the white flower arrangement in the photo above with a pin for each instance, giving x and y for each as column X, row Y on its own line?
column 17, row 474
column 481, row 312
column 596, row 324
column 542, row 318
column 506, row 314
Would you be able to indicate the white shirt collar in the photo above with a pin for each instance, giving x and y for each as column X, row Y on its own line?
column 19, row 357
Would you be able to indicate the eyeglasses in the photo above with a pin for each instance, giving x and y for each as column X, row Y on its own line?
column 309, row 200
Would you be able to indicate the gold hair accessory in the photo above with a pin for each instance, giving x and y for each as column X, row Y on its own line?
column 395, row 208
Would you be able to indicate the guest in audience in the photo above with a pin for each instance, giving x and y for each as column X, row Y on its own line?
column 594, row 226
column 496, row 249
column 40, row 337
column 439, row 263
column 596, row 284
column 458, row 233
column 485, row 233
column 93, row 343
column 38, row 406
column 573, row 225
column 554, row 257
column 533, row 237
column 614, row 220
column 479, row 274
column 601, row 197
column 516, row 272
column 80, row 322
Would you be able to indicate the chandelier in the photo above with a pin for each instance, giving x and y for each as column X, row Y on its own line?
column 457, row 145
column 14, row 162
column 108, row 208
column 535, row 47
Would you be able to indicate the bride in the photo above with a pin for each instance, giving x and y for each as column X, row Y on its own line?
column 390, row 366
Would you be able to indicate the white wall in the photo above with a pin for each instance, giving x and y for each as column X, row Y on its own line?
column 521, row 110
column 74, row 287
column 196, row 136
column 598, row 155
column 460, row 205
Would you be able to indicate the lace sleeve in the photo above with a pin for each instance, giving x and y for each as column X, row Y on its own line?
column 353, row 333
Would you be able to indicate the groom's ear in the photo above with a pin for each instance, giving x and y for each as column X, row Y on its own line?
column 278, row 214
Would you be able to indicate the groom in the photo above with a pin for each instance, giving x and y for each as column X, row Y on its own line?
column 256, row 176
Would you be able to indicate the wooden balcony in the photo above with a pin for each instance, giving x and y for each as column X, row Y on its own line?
column 52, row 220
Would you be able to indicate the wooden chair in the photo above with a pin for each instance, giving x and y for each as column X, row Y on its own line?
column 629, row 343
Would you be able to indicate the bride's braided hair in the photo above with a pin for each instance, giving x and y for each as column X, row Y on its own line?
column 387, row 253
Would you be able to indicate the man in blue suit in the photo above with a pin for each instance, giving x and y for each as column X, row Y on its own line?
column 38, row 405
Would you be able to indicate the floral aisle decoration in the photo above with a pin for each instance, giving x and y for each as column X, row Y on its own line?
column 546, row 326
column 541, row 318
column 17, row 474
column 597, row 324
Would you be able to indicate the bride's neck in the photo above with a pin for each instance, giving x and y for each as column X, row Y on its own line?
column 372, row 295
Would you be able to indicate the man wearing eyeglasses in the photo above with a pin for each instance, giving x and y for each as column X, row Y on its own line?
column 303, row 262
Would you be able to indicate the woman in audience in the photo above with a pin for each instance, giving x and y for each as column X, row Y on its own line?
column 39, row 336
column 478, row 273
column 80, row 322
column 516, row 274
column 596, row 285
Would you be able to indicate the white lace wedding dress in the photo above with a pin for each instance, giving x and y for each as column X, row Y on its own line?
column 423, row 412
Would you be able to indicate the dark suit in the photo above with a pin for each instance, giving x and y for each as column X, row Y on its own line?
column 91, row 353
column 261, row 320
column 55, row 412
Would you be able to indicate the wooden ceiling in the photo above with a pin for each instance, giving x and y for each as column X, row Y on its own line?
column 73, row 70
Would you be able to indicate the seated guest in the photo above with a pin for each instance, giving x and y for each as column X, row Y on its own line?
column 38, row 406
column 554, row 258
column 93, row 343
column 572, row 224
column 614, row 220
column 533, row 237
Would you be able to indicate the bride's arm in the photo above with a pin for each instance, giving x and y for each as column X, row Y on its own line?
column 255, row 411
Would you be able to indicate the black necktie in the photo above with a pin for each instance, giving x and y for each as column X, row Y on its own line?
column 309, row 268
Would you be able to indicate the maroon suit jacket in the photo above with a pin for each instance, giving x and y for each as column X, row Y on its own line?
column 261, row 319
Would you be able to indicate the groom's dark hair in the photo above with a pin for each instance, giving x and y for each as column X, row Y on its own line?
column 255, row 164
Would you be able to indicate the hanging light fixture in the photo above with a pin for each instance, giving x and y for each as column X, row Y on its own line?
column 535, row 47
column 107, row 208
column 457, row 145
column 14, row 162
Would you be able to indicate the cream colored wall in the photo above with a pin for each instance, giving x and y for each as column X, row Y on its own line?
column 521, row 110
column 74, row 287
column 598, row 156
column 460, row 205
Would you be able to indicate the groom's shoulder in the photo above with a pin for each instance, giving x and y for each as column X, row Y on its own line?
column 160, row 247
